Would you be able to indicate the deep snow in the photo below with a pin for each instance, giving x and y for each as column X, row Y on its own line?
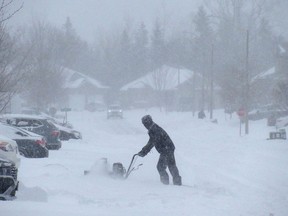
column 227, row 174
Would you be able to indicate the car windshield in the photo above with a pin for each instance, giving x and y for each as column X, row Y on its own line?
column 51, row 124
column 115, row 107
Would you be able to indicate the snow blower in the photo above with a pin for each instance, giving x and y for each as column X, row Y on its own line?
column 118, row 170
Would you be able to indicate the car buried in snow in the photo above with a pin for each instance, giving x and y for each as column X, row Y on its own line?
column 36, row 124
column 9, row 164
column 66, row 129
column 30, row 145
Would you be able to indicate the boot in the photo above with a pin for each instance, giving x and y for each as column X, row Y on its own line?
column 177, row 180
column 164, row 180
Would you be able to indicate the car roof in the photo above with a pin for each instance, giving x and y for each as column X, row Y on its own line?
column 4, row 138
column 23, row 116
column 114, row 105
column 10, row 127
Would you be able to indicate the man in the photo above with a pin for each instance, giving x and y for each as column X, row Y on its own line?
column 164, row 145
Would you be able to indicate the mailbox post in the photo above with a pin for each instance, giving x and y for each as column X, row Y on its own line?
column 241, row 113
column 66, row 110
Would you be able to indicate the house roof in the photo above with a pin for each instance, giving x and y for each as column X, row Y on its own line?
column 264, row 75
column 282, row 49
column 163, row 78
column 74, row 79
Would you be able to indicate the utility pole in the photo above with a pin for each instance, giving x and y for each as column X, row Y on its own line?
column 246, row 104
column 204, row 68
column 212, row 82
column 193, row 93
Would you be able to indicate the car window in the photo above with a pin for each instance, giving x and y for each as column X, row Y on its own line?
column 51, row 125
column 36, row 123
column 23, row 123
column 11, row 122
column 115, row 107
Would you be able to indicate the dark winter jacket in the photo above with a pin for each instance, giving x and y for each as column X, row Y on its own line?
column 160, row 139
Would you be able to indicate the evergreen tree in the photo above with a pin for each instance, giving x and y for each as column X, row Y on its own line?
column 203, row 40
column 72, row 47
column 203, row 49
column 158, row 49
column 124, row 59
column 140, row 52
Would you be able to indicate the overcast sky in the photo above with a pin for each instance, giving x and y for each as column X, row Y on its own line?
column 90, row 16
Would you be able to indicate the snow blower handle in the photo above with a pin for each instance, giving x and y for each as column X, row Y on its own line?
column 129, row 168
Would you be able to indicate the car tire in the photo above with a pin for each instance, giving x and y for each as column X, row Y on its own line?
column 13, row 193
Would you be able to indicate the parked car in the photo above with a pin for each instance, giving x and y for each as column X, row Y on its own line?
column 282, row 122
column 36, row 124
column 10, row 150
column 68, row 133
column 266, row 112
column 114, row 111
column 9, row 164
column 30, row 145
column 66, row 130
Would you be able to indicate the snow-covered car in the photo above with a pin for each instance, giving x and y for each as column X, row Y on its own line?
column 29, row 144
column 282, row 122
column 114, row 111
column 36, row 124
column 66, row 129
column 68, row 133
column 10, row 150
column 9, row 164
column 266, row 112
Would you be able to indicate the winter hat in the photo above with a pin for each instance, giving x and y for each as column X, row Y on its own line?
column 147, row 120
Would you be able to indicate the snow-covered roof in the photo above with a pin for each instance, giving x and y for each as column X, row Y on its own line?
column 164, row 78
column 74, row 79
column 282, row 49
column 263, row 75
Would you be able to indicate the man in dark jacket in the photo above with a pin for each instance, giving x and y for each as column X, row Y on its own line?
column 164, row 145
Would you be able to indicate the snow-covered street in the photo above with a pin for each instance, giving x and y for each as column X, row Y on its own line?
column 224, row 174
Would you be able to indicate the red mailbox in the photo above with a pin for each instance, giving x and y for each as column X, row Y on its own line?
column 241, row 112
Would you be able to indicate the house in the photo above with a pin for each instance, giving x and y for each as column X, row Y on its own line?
column 170, row 87
column 82, row 91
column 268, row 81
column 263, row 82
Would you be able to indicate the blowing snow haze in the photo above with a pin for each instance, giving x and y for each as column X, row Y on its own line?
column 91, row 16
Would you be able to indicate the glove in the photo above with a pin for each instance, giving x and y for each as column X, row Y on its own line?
column 141, row 154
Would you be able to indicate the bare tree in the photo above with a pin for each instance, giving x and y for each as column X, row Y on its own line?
column 234, row 18
column 11, row 70
column 7, row 11
column 44, row 86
